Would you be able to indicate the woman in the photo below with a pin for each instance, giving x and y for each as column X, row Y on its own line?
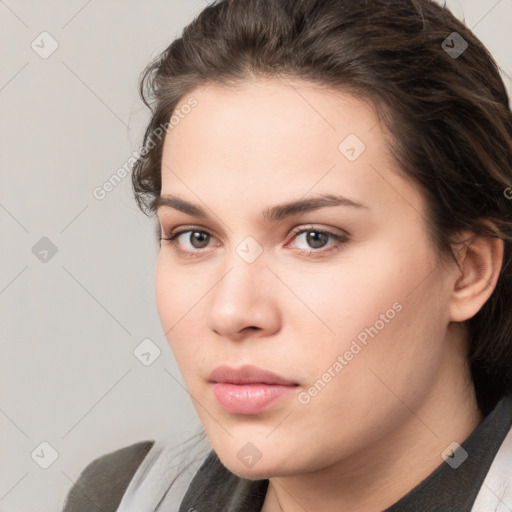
column 332, row 198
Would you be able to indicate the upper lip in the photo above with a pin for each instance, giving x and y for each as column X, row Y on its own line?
column 247, row 374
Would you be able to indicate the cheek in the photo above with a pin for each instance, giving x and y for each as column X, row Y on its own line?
column 166, row 295
column 389, row 333
column 176, row 297
column 341, row 300
column 376, row 383
column 176, row 292
column 382, row 317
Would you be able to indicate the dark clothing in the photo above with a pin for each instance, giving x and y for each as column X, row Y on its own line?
column 101, row 485
column 456, row 489
column 214, row 488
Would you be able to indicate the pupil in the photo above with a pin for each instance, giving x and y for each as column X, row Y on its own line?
column 197, row 237
column 314, row 243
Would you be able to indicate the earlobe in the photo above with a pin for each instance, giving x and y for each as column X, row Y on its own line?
column 480, row 259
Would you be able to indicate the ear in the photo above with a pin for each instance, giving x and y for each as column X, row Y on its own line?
column 479, row 260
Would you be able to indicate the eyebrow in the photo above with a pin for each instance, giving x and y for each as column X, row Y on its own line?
column 270, row 214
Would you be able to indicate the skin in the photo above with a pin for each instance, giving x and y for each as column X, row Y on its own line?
column 380, row 425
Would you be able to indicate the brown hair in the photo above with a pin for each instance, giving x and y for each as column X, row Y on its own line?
column 447, row 111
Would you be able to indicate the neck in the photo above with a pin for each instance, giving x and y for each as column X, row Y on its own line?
column 378, row 476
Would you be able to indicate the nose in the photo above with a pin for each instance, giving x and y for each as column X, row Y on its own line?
column 245, row 299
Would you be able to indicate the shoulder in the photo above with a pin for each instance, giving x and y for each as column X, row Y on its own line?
column 101, row 485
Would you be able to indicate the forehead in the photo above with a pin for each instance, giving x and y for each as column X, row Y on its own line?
column 277, row 140
column 273, row 112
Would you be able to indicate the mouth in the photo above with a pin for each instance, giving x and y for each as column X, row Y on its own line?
column 248, row 390
column 248, row 374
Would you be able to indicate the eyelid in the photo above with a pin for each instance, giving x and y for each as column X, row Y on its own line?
column 303, row 227
column 316, row 227
column 186, row 228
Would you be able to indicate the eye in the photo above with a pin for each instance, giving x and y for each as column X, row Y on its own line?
column 198, row 239
column 317, row 239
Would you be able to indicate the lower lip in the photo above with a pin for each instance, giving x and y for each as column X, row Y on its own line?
column 248, row 398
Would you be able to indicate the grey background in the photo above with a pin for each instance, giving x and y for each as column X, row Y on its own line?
column 69, row 325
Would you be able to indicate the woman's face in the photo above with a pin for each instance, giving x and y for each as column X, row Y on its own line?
column 357, row 324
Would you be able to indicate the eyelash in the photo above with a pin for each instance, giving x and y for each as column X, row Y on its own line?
column 340, row 240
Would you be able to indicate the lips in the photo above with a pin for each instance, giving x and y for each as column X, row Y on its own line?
column 247, row 374
column 248, row 389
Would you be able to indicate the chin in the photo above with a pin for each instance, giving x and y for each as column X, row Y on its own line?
column 254, row 473
column 262, row 469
